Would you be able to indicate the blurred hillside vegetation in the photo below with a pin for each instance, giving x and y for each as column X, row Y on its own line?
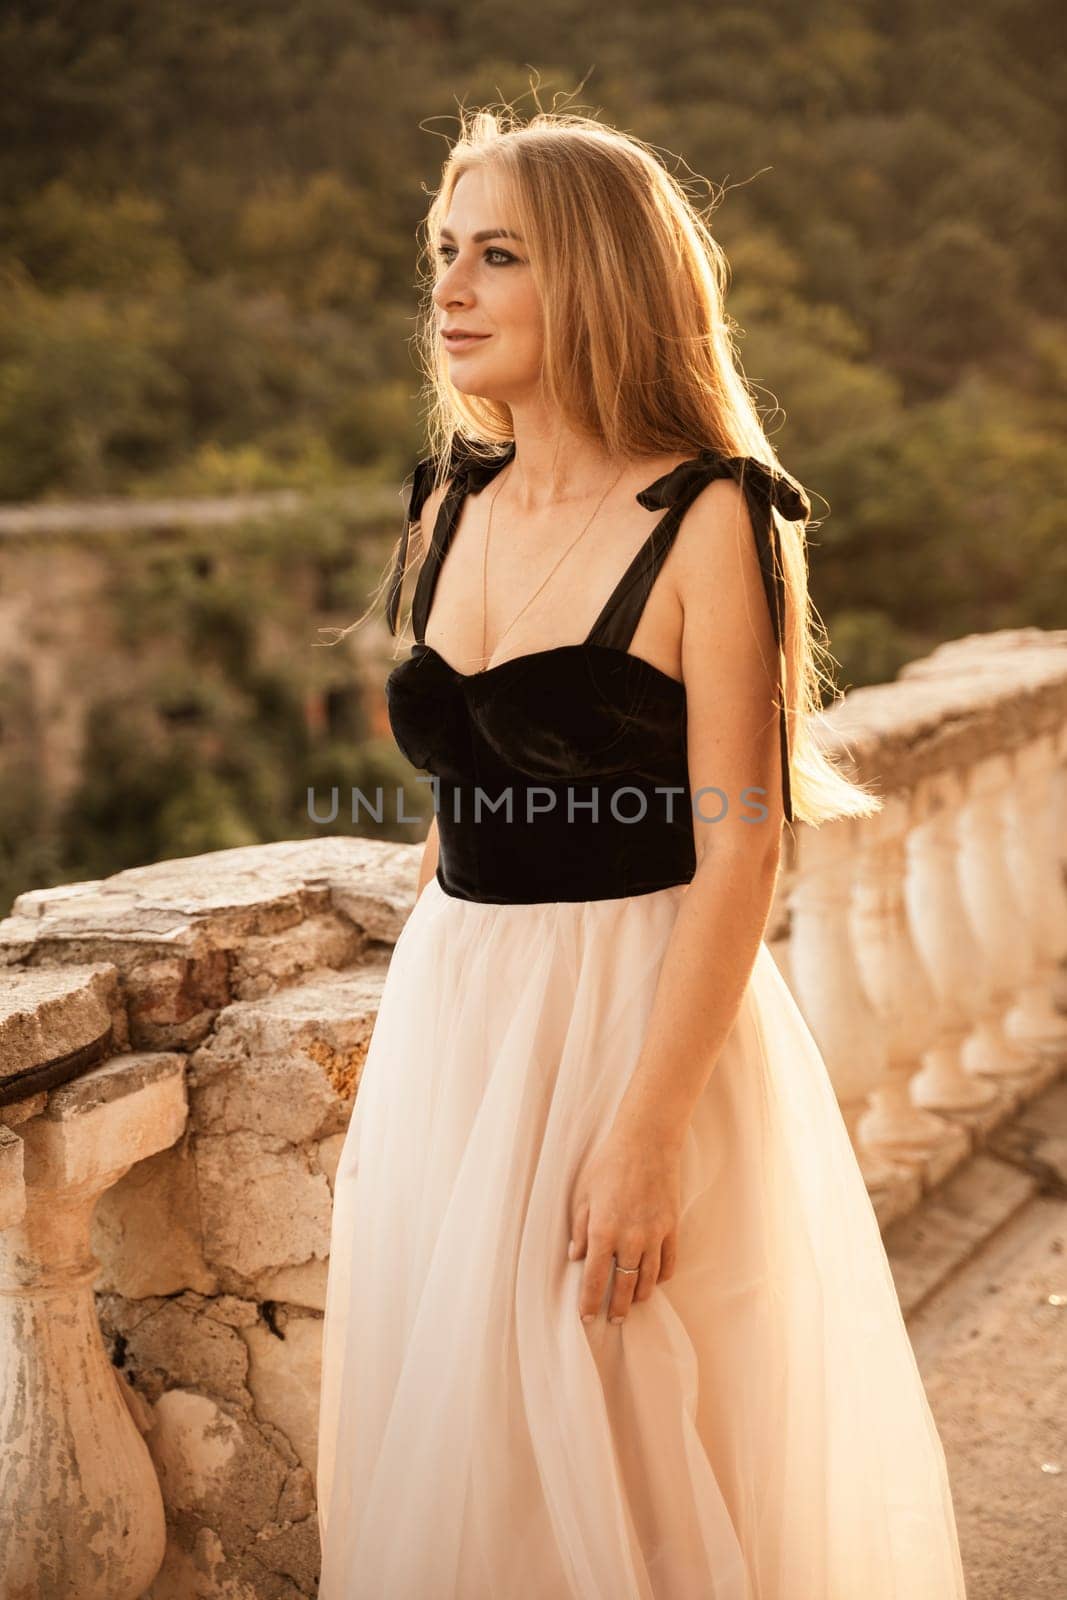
column 207, row 261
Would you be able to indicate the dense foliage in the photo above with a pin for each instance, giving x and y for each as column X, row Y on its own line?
column 208, row 251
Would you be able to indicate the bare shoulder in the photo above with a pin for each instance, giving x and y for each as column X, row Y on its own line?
column 729, row 658
column 715, row 532
column 717, row 577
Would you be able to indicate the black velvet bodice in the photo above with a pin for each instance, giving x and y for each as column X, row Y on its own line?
column 562, row 774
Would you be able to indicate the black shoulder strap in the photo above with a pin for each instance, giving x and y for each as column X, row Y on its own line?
column 674, row 493
column 467, row 471
column 421, row 485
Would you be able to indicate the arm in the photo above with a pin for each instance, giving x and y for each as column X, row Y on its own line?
column 427, row 519
column 428, row 864
column 729, row 667
column 626, row 1199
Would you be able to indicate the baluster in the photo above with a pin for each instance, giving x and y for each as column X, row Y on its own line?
column 830, row 995
column 900, row 992
column 948, row 949
column 1028, row 823
column 1056, row 847
column 81, row 1514
column 987, row 894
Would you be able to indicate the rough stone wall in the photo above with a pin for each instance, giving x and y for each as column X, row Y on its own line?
column 264, row 966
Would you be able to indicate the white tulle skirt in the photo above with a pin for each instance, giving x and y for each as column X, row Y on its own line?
column 756, row 1430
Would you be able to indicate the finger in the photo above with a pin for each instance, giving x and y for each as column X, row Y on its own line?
column 649, row 1273
column 623, row 1284
column 579, row 1232
column 668, row 1257
column 594, row 1278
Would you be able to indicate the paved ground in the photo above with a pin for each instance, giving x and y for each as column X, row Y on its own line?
column 982, row 1273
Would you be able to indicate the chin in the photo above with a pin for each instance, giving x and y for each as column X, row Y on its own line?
column 477, row 390
column 482, row 386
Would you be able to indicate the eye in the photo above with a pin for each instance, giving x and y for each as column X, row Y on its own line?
column 505, row 257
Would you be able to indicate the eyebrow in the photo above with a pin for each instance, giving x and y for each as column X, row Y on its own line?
column 486, row 233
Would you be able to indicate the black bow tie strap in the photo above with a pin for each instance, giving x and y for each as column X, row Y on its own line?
column 468, row 475
column 763, row 488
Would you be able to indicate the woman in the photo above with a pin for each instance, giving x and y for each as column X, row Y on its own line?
column 609, row 1316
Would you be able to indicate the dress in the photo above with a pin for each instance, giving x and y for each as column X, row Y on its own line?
column 757, row 1429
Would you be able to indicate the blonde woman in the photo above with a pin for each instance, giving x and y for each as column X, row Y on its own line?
column 608, row 1315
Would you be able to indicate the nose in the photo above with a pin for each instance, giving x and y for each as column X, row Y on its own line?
column 450, row 289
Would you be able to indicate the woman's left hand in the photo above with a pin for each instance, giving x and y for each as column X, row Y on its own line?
column 626, row 1202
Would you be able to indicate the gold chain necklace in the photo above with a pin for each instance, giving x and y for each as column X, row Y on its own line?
column 541, row 585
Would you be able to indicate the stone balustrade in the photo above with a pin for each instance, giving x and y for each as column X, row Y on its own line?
column 181, row 1045
column 926, row 945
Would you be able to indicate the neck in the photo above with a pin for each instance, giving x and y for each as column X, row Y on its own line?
column 554, row 464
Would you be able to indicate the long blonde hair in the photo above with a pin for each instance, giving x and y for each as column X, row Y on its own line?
column 638, row 352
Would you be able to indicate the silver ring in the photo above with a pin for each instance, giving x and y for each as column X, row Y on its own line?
column 624, row 1269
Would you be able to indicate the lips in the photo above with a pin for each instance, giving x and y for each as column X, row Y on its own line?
column 457, row 341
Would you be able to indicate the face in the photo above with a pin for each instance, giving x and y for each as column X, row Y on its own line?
column 485, row 286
